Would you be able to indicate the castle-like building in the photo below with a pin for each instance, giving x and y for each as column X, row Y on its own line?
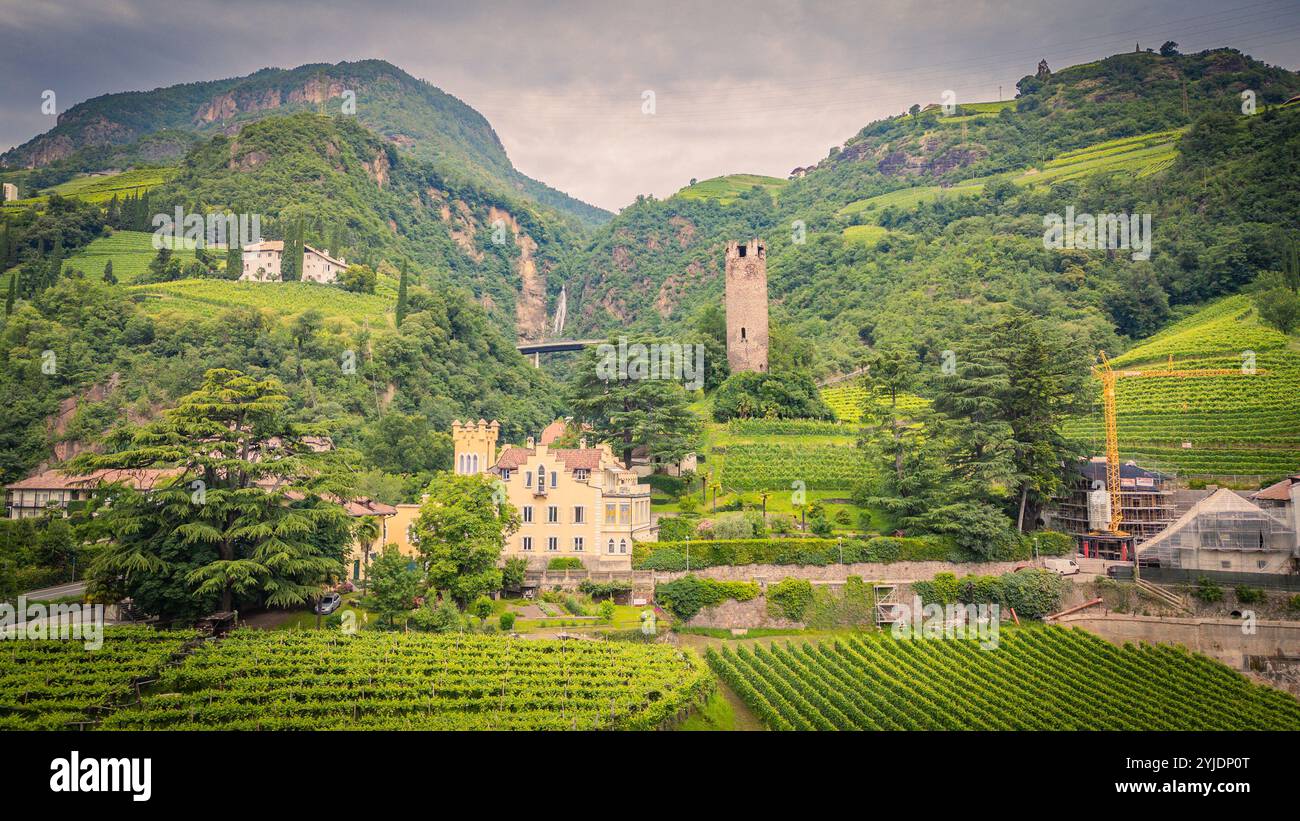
column 747, row 306
column 262, row 261
column 573, row 502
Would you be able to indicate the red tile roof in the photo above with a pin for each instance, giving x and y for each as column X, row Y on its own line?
column 513, row 457
column 1280, row 492
column 140, row 479
column 553, row 431
column 578, row 458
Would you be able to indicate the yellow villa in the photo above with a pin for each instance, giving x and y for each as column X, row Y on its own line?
column 573, row 502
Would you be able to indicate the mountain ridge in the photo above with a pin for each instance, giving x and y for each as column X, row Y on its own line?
column 413, row 115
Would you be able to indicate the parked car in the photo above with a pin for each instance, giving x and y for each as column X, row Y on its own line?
column 1065, row 567
column 328, row 603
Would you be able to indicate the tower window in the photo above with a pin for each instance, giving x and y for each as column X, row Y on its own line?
column 742, row 250
column 742, row 334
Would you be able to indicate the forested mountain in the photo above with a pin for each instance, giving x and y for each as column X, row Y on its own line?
column 412, row 115
column 368, row 202
column 923, row 222
column 918, row 229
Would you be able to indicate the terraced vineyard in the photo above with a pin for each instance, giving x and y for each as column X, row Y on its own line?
column 198, row 297
column 908, row 198
column 726, row 189
column 1246, row 424
column 103, row 187
column 865, row 234
column 847, row 400
column 45, row 685
column 788, row 427
column 1141, row 155
column 309, row 680
column 1038, row 678
column 130, row 251
column 767, row 466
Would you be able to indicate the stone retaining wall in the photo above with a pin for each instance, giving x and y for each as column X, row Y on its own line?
column 867, row 571
column 1223, row 639
column 732, row 614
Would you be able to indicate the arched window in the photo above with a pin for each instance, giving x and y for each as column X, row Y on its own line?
column 611, row 545
column 622, row 545
column 541, row 477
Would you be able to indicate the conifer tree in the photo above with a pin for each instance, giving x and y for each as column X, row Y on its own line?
column 109, row 276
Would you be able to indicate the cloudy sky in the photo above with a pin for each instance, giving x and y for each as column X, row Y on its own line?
column 756, row 87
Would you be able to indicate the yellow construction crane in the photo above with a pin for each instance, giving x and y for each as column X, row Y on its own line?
column 1108, row 378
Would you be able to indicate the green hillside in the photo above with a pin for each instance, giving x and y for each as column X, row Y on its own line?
column 727, row 189
column 129, row 251
column 411, row 115
column 1217, row 425
column 197, row 298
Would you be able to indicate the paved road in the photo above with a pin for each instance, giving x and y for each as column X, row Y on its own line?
column 60, row 591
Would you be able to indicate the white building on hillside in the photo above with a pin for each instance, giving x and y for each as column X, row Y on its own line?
column 262, row 263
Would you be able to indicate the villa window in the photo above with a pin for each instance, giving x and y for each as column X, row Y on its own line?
column 528, row 543
column 552, row 543
column 541, row 478
column 505, row 474
column 528, row 514
column 555, row 477
column 611, row 545
column 579, row 515
column 552, row 514
column 528, row 479
column 577, row 544
column 581, row 474
column 622, row 545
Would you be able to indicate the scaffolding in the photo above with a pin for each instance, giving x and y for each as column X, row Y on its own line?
column 1225, row 532
column 887, row 604
column 1147, row 503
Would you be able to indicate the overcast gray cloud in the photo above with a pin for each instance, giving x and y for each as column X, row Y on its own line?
column 739, row 87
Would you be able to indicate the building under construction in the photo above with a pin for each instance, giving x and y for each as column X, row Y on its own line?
column 1228, row 534
column 1146, row 503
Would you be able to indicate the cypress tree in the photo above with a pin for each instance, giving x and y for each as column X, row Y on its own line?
column 56, row 263
column 109, row 276
column 401, row 296
column 234, row 259
column 13, row 292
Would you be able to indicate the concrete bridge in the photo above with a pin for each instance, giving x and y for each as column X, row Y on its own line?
column 536, row 349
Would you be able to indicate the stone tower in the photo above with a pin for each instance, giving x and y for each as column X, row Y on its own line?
column 747, row 306
column 475, row 445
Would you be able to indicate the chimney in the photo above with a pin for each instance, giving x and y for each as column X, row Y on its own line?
column 582, row 443
column 532, row 443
